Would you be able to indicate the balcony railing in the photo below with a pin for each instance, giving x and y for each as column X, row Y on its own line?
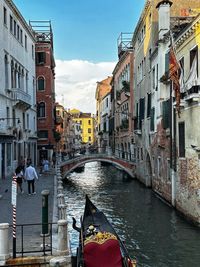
column 21, row 97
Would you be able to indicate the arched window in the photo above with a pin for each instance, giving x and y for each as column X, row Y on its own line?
column 6, row 72
column 41, row 110
column 40, row 84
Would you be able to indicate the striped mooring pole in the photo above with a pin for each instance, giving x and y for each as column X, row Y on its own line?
column 14, row 204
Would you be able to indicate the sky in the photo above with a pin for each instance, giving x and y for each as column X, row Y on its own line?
column 85, row 42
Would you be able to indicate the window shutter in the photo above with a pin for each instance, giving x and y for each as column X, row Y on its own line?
column 152, row 119
column 166, row 113
column 141, row 112
column 148, row 105
column 167, row 62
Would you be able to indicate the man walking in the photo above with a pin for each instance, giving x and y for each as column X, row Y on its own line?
column 30, row 176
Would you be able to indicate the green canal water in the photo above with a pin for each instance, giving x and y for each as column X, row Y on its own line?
column 154, row 233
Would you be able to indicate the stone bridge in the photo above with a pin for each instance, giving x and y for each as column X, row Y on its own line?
column 71, row 164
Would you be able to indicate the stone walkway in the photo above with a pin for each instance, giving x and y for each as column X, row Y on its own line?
column 29, row 210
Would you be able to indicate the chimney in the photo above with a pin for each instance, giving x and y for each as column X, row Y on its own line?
column 163, row 17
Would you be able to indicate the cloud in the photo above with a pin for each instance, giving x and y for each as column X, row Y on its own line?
column 75, row 83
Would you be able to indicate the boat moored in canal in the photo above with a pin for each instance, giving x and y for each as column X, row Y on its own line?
column 99, row 244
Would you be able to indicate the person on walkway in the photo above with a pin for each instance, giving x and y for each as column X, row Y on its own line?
column 19, row 172
column 45, row 165
column 30, row 176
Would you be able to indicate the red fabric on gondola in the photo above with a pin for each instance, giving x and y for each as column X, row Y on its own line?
column 103, row 255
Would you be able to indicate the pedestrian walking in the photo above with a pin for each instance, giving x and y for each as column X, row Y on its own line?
column 19, row 172
column 30, row 176
column 45, row 165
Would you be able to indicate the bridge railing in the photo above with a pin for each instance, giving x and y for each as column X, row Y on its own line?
column 120, row 154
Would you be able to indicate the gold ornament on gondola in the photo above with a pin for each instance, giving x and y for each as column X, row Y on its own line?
column 100, row 238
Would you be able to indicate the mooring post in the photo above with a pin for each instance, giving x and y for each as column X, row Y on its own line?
column 45, row 226
column 4, row 241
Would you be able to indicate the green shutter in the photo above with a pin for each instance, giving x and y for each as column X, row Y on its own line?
column 152, row 115
column 166, row 113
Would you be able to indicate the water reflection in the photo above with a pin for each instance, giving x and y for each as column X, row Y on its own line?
column 154, row 233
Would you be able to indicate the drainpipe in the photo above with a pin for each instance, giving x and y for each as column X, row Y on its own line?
column 172, row 147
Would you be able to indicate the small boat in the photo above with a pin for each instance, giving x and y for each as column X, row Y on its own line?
column 99, row 244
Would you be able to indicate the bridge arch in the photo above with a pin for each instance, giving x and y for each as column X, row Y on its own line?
column 70, row 165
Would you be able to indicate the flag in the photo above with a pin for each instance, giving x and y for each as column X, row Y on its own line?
column 174, row 69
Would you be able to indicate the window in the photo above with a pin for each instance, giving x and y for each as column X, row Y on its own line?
column 9, row 154
column 27, row 120
column 40, row 58
column 11, row 23
column 43, row 134
column 41, row 110
column 23, row 120
column 194, row 57
column 152, row 122
column 26, row 82
column 166, row 113
column 148, row 105
column 89, row 122
column 32, row 51
column 8, row 115
column 89, row 130
column 6, row 72
column 17, row 32
column 154, row 78
column 25, row 41
column 21, row 37
column 89, row 139
column 14, row 117
column 5, row 16
column 181, row 132
column 15, row 28
column 40, row 84
column 181, row 62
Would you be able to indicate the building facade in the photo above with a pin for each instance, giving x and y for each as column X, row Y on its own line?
column 87, row 125
column 103, row 98
column 186, row 134
column 18, row 127
column 45, row 77
column 123, row 101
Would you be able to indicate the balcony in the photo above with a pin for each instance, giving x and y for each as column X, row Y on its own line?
column 193, row 94
column 21, row 98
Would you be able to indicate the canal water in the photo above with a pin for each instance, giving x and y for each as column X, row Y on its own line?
column 154, row 233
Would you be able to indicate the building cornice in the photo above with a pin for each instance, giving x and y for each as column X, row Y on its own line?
column 121, row 60
column 188, row 31
column 17, row 13
column 142, row 16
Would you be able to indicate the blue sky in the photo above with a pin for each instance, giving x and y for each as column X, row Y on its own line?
column 84, row 31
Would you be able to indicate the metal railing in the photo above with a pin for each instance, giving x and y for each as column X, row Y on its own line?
column 30, row 239
column 118, row 153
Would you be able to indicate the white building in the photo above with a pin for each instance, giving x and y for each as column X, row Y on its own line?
column 17, row 89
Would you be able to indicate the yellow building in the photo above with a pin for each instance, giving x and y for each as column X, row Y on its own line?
column 87, row 124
